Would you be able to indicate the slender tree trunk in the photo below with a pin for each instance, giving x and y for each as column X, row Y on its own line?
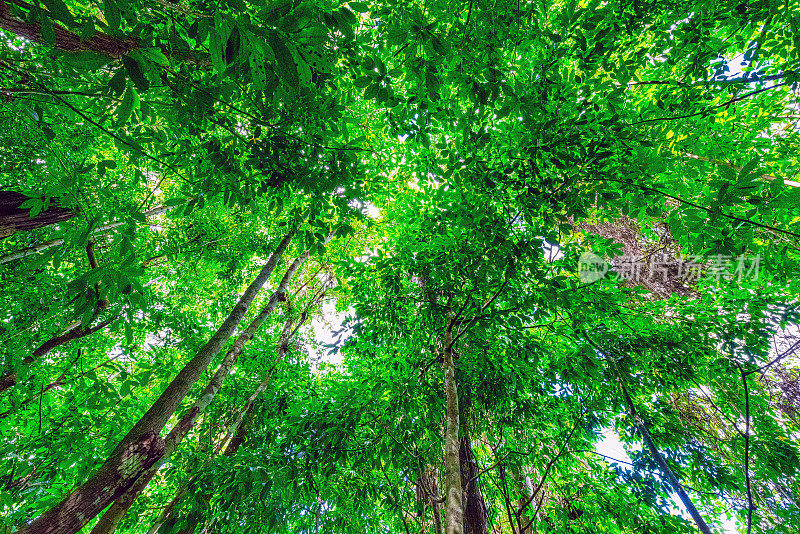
column 662, row 463
column 454, row 507
column 648, row 440
column 108, row 523
column 237, row 430
column 525, row 490
column 142, row 447
column 14, row 219
column 437, row 518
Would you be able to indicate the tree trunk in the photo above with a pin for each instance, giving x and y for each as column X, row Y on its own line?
column 30, row 251
column 108, row 523
column 476, row 513
column 454, row 508
column 237, row 430
column 662, row 463
column 99, row 43
column 13, row 219
column 142, row 447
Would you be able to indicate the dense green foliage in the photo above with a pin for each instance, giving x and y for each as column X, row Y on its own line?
column 445, row 167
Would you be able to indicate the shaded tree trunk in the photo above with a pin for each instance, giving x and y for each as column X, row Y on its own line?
column 108, row 523
column 454, row 508
column 14, row 219
column 25, row 252
column 476, row 513
column 99, row 43
column 142, row 447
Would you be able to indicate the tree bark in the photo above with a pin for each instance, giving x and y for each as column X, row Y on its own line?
column 30, row 251
column 13, row 219
column 476, row 513
column 142, row 447
column 108, row 523
column 454, row 508
column 99, row 43
column 237, row 430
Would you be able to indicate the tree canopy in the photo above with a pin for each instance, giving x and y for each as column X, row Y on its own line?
column 383, row 266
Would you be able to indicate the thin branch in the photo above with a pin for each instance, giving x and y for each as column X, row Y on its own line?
column 706, row 111
column 690, row 203
column 747, row 449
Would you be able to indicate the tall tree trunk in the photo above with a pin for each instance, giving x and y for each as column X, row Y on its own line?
column 14, row 219
column 476, row 513
column 142, row 447
column 237, row 430
column 108, row 523
column 454, row 508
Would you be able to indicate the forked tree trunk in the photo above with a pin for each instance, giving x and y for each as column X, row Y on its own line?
column 142, row 447
column 108, row 523
column 13, row 219
column 454, row 508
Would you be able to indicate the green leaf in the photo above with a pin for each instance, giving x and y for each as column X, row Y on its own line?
column 86, row 60
column 129, row 102
column 48, row 32
column 748, row 169
column 232, row 46
column 111, row 13
column 135, row 73
column 359, row 7
column 287, row 69
column 60, row 11
column 362, row 81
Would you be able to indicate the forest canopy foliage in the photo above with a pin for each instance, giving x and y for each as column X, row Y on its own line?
column 386, row 266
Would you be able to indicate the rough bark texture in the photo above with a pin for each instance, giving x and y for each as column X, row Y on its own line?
column 236, row 431
column 110, row 520
column 13, row 219
column 130, row 459
column 99, row 43
column 25, row 252
column 428, row 494
column 454, row 509
column 476, row 513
